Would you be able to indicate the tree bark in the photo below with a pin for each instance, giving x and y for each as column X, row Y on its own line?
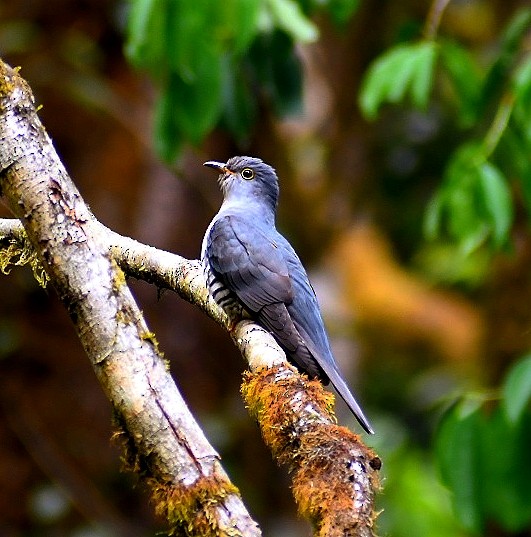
column 164, row 441
column 335, row 476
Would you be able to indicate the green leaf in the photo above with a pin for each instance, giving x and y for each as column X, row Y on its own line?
column 421, row 83
column 289, row 17
column 190, row 27
column 465, row 77
column 187, row 111
column 380, row 78
column 239, row 104
column 522, row 80
column 402, row 68
column 522, row 105
column 463, row 221
column 432, row 217
column 243, row 21
column 504, row 479
column 481, row 458
column 509, row 50
column 466, row 224
column 200, row 100
column 516, row 29
column 514, row 151
column 517, row 389
column 497, row 199
column 410, row 474
column 146, row 20
column 474, row 199
column 520, row 475
column 278, row 71
column 457, row 448
column 168, row 137
column 286, row 76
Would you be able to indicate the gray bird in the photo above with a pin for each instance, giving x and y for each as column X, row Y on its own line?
column 251, row 267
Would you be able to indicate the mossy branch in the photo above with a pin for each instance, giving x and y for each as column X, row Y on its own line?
column 166, row 441
column 82, row 258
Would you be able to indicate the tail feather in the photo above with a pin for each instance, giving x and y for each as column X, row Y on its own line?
column 302, row 350
column 325, row 362
column 343, row 390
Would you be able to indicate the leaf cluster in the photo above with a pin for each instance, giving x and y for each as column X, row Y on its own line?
column 483, row 453
column 474, row 204
column 213, row 61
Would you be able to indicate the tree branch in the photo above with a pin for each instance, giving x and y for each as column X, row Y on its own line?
column 334, row 474
column 164, row 441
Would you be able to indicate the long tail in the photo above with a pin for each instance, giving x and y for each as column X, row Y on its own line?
column 343, row 390
column 291, row 335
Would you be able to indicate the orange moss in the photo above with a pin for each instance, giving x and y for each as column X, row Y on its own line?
column 190, row 509
column 334, row 473
column 274, row 395
column 333, row 461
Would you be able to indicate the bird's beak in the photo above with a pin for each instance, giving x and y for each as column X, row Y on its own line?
column 221, row 166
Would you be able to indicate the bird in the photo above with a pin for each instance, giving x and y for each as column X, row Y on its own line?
column 252, row 269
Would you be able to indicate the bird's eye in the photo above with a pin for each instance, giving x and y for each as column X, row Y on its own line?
column 247, row 173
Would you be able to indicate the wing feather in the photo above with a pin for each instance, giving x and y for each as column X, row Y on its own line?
column 246, row 260
column 267, row 277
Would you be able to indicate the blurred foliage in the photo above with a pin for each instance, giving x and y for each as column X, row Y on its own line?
column 403, row 69
column 430, row 513
column 211, row 60
column 482, row 446
column 473, row 203
column 194, row 50
column 483, row 439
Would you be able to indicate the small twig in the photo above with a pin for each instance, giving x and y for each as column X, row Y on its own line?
column 433, row 20
column 499, row 123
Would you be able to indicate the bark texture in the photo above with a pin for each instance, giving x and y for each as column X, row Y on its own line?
column 164, row 442
column 335, row 476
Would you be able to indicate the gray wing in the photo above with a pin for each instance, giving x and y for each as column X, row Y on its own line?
column 304, row 312
column 263, row 271
column 251, row 264
column 248, row 263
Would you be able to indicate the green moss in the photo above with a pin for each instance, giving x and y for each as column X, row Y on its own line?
column 20, row 254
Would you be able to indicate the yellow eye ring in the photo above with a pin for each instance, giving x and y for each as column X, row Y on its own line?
column 247, row 173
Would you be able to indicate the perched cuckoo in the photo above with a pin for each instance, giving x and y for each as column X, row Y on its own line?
column 251, row 267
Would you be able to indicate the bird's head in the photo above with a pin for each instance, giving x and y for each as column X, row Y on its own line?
column 247, row 179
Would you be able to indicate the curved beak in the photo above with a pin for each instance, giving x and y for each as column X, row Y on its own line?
column 216, row 165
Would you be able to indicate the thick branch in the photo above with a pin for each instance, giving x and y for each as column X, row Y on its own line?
column 176, row 273
column 164, row 441
column 335, row 476
column 185, row 277
column 334, row 473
